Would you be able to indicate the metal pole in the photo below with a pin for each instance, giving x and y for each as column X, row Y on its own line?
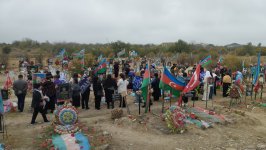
column 207, row 94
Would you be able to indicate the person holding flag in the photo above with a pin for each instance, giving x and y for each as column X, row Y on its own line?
column 145, row 88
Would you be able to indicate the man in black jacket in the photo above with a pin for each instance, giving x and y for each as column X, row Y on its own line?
column 38, row 103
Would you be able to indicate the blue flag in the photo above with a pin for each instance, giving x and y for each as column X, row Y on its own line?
column 257, row 73
column 1, row 106
column 61, row 53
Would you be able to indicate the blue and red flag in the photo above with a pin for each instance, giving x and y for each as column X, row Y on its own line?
column 170, row 80
column 101, row 68
column 205, row 61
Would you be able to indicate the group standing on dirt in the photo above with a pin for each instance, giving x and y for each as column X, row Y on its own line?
column 122, row 81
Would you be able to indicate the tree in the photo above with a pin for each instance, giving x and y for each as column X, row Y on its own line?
column 6, row 50
column 179, row 47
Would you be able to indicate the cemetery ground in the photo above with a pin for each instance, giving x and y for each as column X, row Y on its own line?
column 245, row 128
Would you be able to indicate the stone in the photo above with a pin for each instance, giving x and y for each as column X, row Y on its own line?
column 105, row 133
column 102, row 147
column 251, row 147
column 230, row 148
column 261, row 146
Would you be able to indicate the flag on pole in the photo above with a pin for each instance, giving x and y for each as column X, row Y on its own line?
column 192, row 84
column 221, row 59
column 205, row 61
column 61, row 53
column 100, row 58
column 256, row 78
column 145, row 87
column 243, row 65
column 123, row 52
column 168, row 79
column 8, row 82
column 145, row 83
column 79, row 54
column 194, row 81
column 101, row 68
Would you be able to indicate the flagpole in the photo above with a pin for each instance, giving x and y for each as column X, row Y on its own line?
column 148, row 96
column 163, row 90
column 83, row 63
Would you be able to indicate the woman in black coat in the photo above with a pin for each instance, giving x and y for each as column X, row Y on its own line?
column 38, row 103
column 155, row 86
column 76, row 95
column 109, row 87
column 98, row 92
column 50, row 91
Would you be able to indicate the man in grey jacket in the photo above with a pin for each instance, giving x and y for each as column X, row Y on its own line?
column 20, row 87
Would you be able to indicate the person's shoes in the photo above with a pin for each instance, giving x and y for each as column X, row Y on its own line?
column 143, row 106
column 88, row 108
column 47, row 121
column 32, row 123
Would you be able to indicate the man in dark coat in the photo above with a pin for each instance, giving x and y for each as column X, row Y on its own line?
column 109, row 86
column 98, row 92
column 116, row 69
column 38, row 104
column 155, row 86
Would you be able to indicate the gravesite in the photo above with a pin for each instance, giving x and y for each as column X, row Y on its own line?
column 132, row 75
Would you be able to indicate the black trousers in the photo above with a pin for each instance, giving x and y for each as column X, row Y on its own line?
column 21, row 101
column 35, row 114
column 225, row 89
column 85, row 100
column 98, row 102
column 122, row 102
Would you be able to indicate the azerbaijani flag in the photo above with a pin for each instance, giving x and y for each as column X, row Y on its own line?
column 69, row 141
column 205, row 61
column 101, row 68
column 145, row 83
column 168, row 80
column 256, row 78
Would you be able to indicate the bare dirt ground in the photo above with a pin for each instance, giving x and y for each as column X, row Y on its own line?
column 149, row 131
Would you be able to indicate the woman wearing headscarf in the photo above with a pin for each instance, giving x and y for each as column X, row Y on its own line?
column 155, row 86
column 137, row 82
column 76, row 93
column 98, row 92
column 50, row 91
column 109, row 86
column 226, row 84
column 206, row 87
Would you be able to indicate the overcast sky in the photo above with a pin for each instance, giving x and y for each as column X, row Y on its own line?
column 136, row 21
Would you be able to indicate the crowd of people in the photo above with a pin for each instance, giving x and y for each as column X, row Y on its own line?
column 123, row 80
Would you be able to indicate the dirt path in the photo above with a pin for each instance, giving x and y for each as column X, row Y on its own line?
column 248, row 132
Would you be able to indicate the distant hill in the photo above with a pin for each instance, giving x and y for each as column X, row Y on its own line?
column 233, row 45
